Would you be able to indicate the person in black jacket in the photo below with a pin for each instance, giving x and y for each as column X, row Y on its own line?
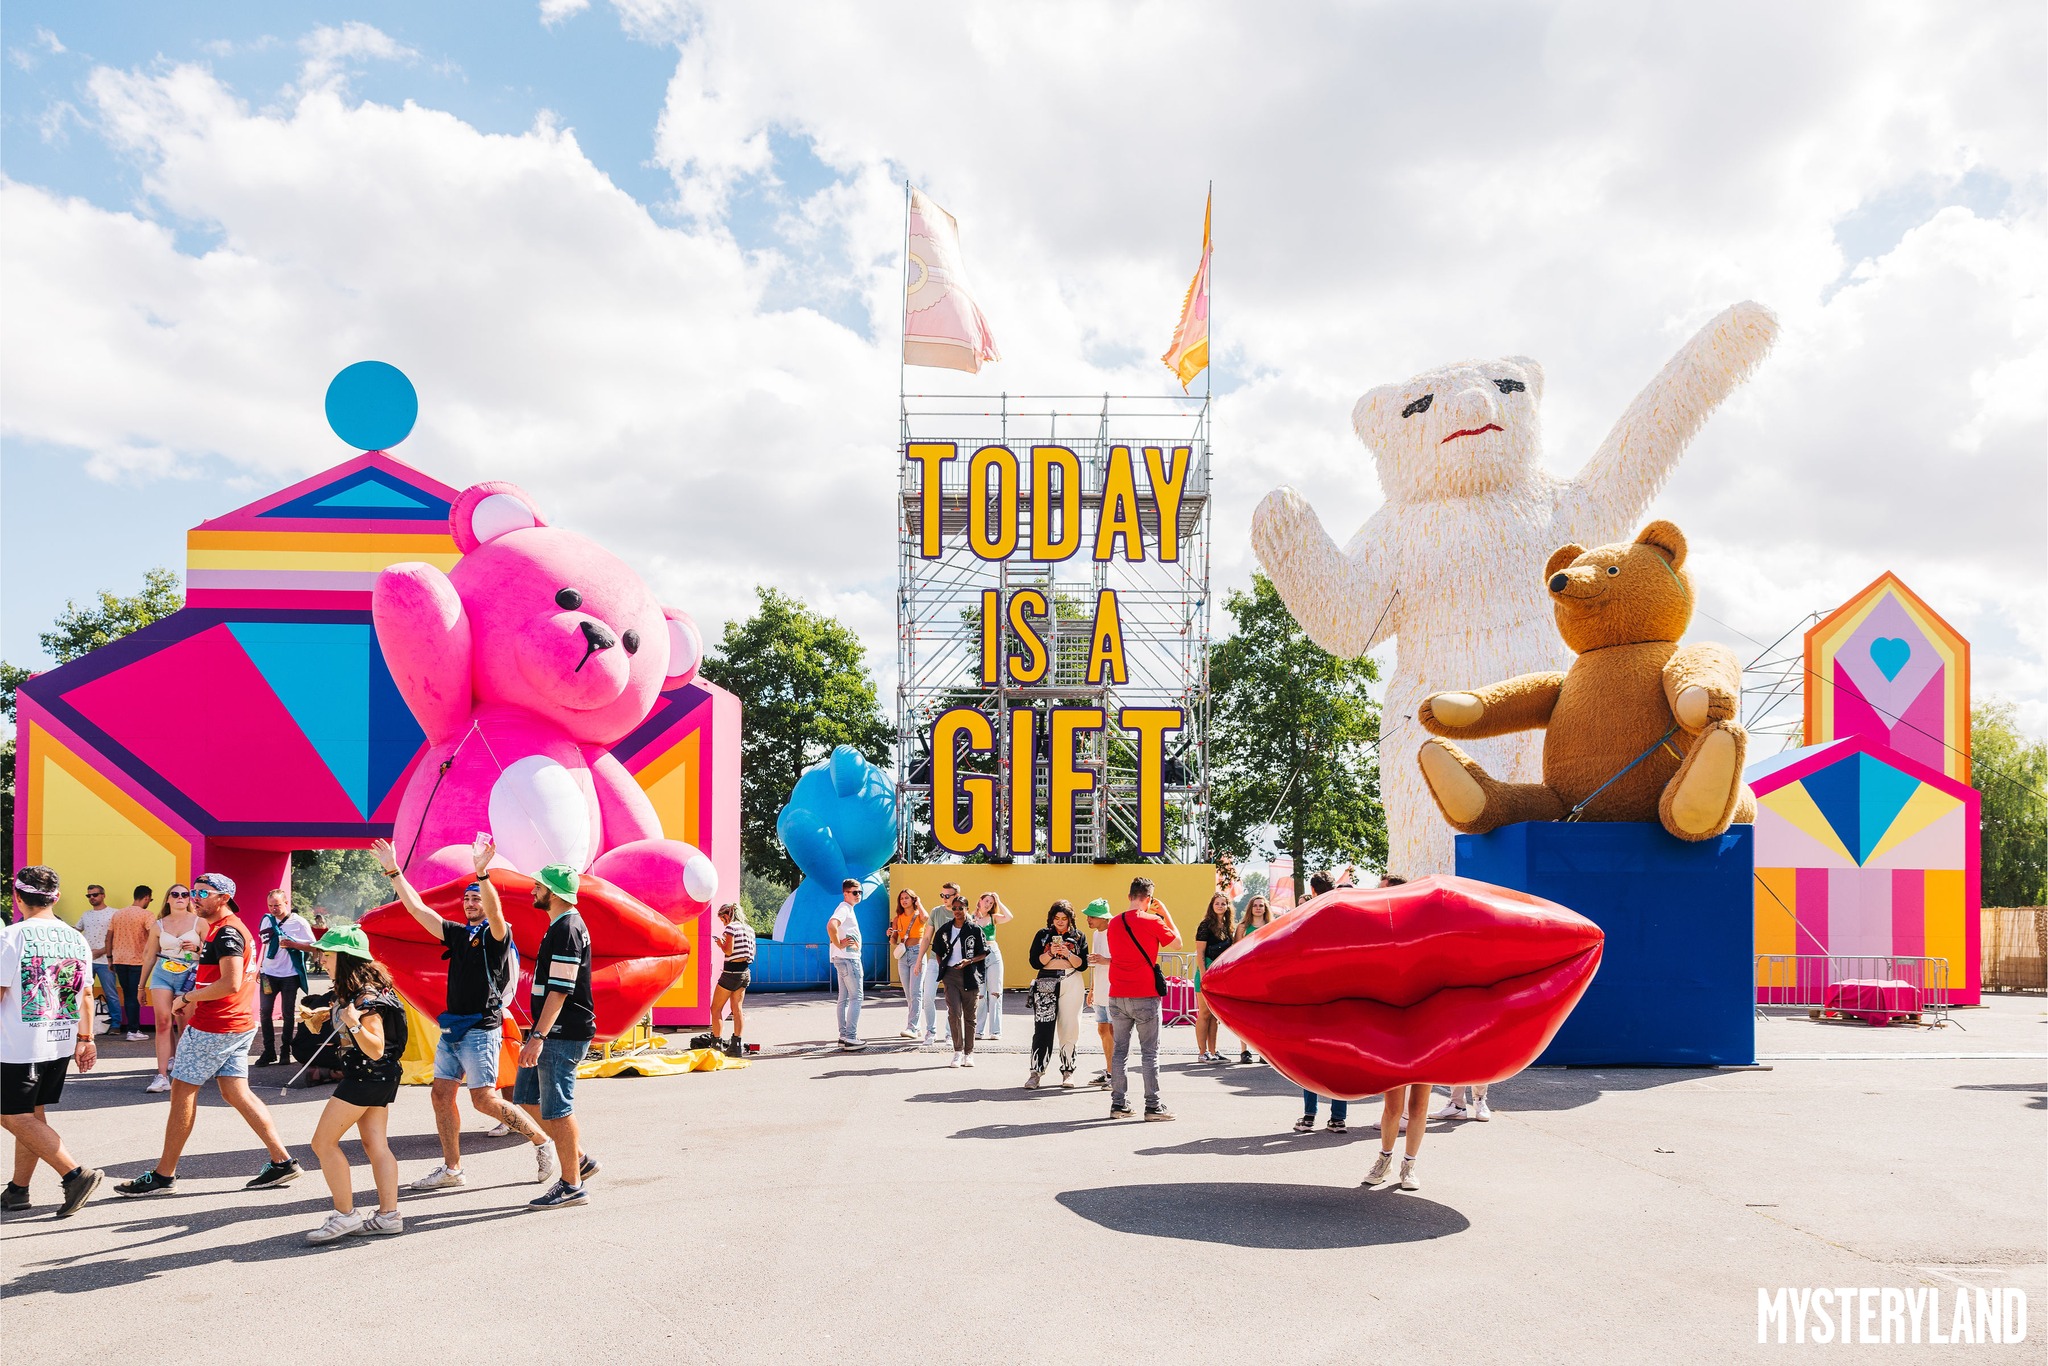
column 1061, row 956
column 961, row 952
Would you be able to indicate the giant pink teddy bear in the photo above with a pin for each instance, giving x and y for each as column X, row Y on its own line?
column 524, row 665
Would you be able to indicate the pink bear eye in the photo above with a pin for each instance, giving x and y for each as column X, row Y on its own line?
column 631, row 640
column 568, row 599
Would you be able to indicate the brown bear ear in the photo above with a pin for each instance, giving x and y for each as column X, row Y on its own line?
column 1561, row 557
column 1667, row 538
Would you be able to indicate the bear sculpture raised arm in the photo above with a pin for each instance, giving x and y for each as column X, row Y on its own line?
column 839, row 823
column 1639, row 727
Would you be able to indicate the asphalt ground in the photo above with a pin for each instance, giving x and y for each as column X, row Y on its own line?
column 883, row 1207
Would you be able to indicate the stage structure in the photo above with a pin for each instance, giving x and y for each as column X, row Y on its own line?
column 1162, row 604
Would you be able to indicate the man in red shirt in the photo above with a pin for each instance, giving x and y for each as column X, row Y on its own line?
column 219, row 1015
column 1135, row 939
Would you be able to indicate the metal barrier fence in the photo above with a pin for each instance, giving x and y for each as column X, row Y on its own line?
column 1866, row 985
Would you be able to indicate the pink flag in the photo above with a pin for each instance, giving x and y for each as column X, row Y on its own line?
column 942, row 325
column 1189, row 354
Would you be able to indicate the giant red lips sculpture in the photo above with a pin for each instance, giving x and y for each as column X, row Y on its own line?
column 1439, row 980
column 636, row 953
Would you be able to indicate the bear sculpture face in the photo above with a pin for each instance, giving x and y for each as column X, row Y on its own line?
column 1464, row 429
column 563, row 627
column 1621, row 594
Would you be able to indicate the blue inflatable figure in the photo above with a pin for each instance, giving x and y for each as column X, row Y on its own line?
column 839, row 823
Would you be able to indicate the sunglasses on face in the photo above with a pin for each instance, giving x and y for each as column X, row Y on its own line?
column 179, row 896
column 202, row 895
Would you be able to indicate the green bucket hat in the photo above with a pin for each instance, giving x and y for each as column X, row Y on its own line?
column 1097, row 909
column 560, row 879
column 348, row 939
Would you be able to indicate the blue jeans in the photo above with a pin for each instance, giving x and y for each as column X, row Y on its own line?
column 1338, row 1108
column 906, row 960
column 551, row 1084
column 848, row 972
column 989, row 1015
column 927, row 1002
column 109, row 987
column 471, row 1060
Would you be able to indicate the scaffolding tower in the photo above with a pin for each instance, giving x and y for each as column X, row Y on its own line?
column 1164, row 608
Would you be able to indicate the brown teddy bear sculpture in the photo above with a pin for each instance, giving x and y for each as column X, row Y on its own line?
column 1638, row 727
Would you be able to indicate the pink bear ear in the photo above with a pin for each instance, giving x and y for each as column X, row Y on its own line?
column 685, row 649
column 483, row 512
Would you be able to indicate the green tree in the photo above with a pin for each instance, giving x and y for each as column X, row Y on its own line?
column 343, row 881
column 1293, row 741
column 76, row 632
column 804, row 687
column 2010, row 771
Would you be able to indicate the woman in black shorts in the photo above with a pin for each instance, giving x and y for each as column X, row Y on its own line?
column 370, row 1032
column 736, row 941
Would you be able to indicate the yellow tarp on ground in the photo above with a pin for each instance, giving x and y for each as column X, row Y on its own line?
column 659, row 1063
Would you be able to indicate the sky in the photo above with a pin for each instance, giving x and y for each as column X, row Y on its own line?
column 644, row 258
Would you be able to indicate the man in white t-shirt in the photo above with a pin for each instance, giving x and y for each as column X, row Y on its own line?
column 1098, row 915
column 45, row 1026
column 283, row 938
column 843, row 929
column 95, row 924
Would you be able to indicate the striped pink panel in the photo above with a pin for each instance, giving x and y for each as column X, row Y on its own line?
column 1909, row 912
column 1811, row 909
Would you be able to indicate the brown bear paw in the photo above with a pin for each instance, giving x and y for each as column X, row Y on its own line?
column 1703, row 793
column 1457, row 790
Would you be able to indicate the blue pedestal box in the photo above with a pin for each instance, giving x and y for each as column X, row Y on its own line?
column 1677, row 979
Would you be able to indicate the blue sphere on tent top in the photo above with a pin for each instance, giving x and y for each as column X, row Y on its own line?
column 372, row 406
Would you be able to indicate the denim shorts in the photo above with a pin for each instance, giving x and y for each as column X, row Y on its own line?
column 552, row 1084
column 473, row 1060
column 177, row 983
column 204, row 1055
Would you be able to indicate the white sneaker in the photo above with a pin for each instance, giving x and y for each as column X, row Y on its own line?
column 1451, row 1111
column 439, row 1179
column 908, row 1034
column 380, row 1222
column 1379, row 1169
column 546, row 1165
column 159, row 1086
column 1408, row 1181
column 1481, row 1110
column 967, row 1060
column 956, row 1059
column 338, row 1225
column 498, row 1130
column 136, row 1036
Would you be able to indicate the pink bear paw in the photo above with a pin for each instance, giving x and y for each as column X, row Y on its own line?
column 668, row 875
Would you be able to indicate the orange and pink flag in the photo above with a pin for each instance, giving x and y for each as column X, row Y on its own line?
column 1189, row 354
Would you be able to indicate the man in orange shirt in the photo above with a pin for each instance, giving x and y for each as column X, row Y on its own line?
column 220, row 1023
column 131, row 943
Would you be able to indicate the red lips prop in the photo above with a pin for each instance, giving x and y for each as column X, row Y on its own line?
column 1439, row 980
column 635, row 952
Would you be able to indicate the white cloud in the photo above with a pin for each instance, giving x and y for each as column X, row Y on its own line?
column 1395, row 188
column 328, row 51
column 553, row 12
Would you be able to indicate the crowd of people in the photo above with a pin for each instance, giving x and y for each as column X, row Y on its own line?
column 213, row 985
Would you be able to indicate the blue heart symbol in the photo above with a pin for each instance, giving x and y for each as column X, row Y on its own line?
column 1890, row 654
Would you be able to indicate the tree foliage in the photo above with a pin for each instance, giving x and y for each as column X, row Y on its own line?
column 1292, row 742
column 804, row 686
column 79, row 631
column 342, row 882
column 2010, row 770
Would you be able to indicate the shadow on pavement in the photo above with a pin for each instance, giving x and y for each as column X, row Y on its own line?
column 2036, row 1091
column 1249, row 1214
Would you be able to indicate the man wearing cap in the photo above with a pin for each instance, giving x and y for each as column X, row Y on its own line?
column 45, row 1026
column 219, row 1015
column 564, row 1022
column 1098, row 915
column 483, row 967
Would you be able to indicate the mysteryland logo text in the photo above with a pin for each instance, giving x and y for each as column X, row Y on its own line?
column 1880, row 1314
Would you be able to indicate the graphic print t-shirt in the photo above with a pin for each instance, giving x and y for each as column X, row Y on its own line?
column 44, row 964
column 563, row 964
column 226, row 1014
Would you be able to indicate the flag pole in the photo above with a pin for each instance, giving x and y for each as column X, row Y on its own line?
column 1209, row 370
column 903, row 302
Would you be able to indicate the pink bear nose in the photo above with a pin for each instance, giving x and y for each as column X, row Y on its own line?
column 595, row 638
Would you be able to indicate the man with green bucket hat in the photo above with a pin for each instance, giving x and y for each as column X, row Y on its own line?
column 1098, row 916
column 564, row 1022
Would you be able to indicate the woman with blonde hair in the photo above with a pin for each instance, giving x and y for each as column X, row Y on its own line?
column 174, row 960
column 989, row 912
column 369, row 1026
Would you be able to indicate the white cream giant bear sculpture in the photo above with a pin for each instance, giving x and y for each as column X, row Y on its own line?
column 1452, row 564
